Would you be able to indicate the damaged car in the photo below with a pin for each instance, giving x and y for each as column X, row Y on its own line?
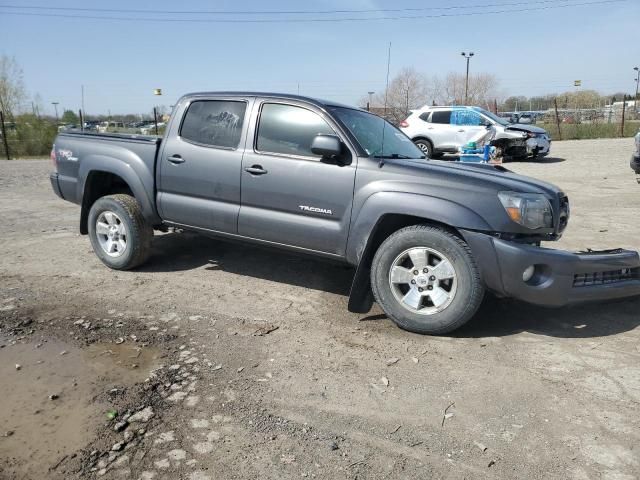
column 440, row 130
column 635, row 157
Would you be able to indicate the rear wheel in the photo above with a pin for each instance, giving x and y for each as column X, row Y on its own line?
column 426, row 280
column 119, row 234
column 425, row 147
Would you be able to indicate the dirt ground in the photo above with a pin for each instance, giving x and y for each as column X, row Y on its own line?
column 222, row 361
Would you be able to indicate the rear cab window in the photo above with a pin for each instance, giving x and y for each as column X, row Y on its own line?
column 214, row 123
column 289, row 130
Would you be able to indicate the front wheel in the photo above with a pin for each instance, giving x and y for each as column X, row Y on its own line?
column 119, row 234
column 426, row 280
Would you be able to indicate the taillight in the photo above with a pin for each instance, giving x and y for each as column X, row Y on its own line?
column 404, row 124
column 54, row 160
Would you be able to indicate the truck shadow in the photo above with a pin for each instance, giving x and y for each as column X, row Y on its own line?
column 503, row 317
column 188, row 251
column 496, row 317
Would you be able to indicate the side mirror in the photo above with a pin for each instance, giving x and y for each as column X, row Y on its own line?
column 326, row 146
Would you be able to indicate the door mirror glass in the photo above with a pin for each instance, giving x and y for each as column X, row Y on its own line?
column 327, row 146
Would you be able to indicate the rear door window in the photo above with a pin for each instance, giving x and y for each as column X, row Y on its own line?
column 214, row 123
column 289, row 130
column 441, row 116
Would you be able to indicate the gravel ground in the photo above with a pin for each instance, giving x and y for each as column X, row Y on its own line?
column 257, row 370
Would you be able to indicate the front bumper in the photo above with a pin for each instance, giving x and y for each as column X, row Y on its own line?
column 538, row 146
column 560, row 277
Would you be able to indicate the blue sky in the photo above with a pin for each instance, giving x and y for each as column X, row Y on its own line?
column 121, row 62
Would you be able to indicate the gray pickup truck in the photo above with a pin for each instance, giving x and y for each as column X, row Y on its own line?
column 428, row 237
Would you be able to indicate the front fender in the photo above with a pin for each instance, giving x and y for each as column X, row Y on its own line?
column 378, row 205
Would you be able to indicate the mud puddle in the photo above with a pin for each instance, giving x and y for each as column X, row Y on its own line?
column 53, row 398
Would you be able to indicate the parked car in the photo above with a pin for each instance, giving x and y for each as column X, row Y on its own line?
column 635, row 157
column 110, row 126
column 427, row 238
column 150, row 128
column 526, row 118
column 439, row 130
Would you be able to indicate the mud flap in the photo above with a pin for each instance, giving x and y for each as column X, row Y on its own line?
column 360, row 296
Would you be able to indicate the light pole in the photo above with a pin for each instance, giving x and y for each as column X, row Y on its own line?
column 157, row 92
column 466, row 83
column 55, row 105
column 370, row 101
column 635, row 100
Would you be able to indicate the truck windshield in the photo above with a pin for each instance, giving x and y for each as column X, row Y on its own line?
column 371, row 131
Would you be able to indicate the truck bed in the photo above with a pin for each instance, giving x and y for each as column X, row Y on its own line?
column 127, row 155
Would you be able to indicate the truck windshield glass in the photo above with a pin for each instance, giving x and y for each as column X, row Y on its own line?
column 370, row 130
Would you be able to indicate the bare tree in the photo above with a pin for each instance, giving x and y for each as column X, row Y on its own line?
column 483, row 89
column 12, row 91
column 408, row 90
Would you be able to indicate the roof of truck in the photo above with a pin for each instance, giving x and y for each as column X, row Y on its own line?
column 284, row 96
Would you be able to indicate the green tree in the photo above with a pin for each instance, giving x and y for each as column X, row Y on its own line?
column 69, row 117
column 12, row 91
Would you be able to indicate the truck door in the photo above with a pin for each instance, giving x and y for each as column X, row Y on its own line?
column 289, row 195
column 200, row 163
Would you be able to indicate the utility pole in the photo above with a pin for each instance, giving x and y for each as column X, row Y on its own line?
column 466, row 83
column 370, row 101
column 82, row 92
column 635, row 101
column 55, row 105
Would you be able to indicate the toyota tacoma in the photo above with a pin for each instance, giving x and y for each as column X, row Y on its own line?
column 428, row 238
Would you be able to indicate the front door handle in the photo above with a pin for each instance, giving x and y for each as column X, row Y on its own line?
column 461, row 131
column 176, row 159
column 255, row 170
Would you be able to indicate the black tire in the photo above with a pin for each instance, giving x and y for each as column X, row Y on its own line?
column 425, row 146
column 469, row 288
column 138, row 232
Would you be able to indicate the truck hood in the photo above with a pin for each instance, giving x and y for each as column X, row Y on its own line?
column 475, row 186
column 498, row 176
column 524, row 128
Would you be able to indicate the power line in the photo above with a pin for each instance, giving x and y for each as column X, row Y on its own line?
column 312, row 20
column 278, row 12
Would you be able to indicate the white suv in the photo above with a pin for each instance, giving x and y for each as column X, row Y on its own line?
column 438, row 130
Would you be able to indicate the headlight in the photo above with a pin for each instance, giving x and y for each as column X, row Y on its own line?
column 531, row 210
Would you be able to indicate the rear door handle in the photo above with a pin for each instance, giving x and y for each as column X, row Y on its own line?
column 176, row 159
column 462, row 130
column 255, row 170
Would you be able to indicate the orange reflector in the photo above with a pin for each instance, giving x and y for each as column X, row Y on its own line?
column 514, row 214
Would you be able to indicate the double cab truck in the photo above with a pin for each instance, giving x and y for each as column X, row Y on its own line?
column 427, row 238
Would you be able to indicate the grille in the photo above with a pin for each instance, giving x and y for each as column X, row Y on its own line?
column 601, row 278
